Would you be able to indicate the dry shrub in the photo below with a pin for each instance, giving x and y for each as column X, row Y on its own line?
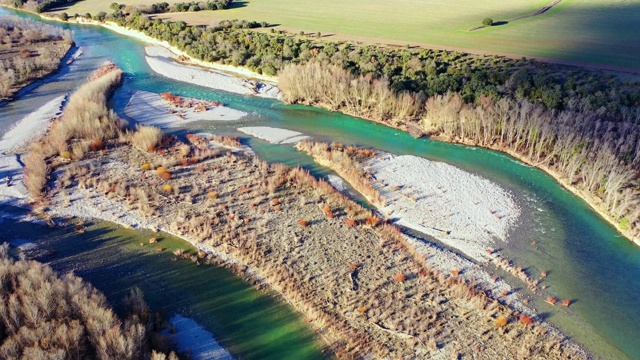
column 501, row 321
column 372, row 221
column 145, row 167
column 212, row 195
column 47, row 316
column 167, row 189
column 303, row 223
column 96, row 144
column 85, row 117
column 400, row 277
column 36, row 171
column 526, row 320
column 146, row 138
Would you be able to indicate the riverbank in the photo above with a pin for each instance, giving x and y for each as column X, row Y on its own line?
column 164, row 63
column 169, row 111
column 13, row 147
column 593, row 202
column 410, row 128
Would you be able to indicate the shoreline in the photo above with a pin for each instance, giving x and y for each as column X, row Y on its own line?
column 240, row 71
column 587, row 198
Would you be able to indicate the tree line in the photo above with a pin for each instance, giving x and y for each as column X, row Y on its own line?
column 534, row 109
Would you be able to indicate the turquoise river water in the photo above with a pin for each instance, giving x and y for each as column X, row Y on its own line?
column 587, row 260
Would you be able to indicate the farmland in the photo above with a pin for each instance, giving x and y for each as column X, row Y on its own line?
column 593, row 32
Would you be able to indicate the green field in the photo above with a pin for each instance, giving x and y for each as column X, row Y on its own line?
column 595, row 32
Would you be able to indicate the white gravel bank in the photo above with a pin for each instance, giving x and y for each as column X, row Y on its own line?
column 161, row 61
column 150, row 109
column 460, row 209
column 13, row 146
column 273, row 135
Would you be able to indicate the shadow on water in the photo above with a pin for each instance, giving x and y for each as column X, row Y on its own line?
column 250, row 324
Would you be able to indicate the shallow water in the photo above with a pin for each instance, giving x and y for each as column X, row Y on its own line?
column 250, row 324
column 587, row 260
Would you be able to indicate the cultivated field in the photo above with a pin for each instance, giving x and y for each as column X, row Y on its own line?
column 595, row 32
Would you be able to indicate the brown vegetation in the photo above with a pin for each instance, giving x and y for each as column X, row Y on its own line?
column 360, row 309
column 85, row 119
column 47, row 316
column 29, row 50
column 582, row 147
column 345, row 161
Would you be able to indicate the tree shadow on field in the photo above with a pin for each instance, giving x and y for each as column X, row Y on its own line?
column 65, row 6
column 237, row 5
column 575, row 32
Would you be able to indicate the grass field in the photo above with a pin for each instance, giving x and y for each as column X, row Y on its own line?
column 595, row 32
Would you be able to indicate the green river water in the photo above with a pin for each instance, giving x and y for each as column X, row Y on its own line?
column 587, row 260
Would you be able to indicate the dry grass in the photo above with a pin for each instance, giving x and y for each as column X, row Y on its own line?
column 346, row 162
column 29, row 50
column 360, row 309
column 146, row 138
column 47, row 316
column 85, row 121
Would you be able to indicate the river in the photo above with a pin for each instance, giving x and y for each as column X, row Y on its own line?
column 587, row 260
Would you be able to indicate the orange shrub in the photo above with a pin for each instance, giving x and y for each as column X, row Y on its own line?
column 160, row 170
column 96, row 145
column 455, row 272
column 330, row 214
column 400, row 277
column 373, row 221
column 275, row 202
column 166, row 175
column 303, row 223
column 362, row 309
column 526, row 320
column 350, row 222
column 501, row 321
column 326, row 208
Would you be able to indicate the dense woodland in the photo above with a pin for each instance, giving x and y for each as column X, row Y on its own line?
column 44, row 315
column 28, row 50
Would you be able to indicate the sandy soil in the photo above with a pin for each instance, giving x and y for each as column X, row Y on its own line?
column 13, row 146
column 161, row 61
column 273, row 135
column 150, row 109
column 460, row 209
column 192, row 338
